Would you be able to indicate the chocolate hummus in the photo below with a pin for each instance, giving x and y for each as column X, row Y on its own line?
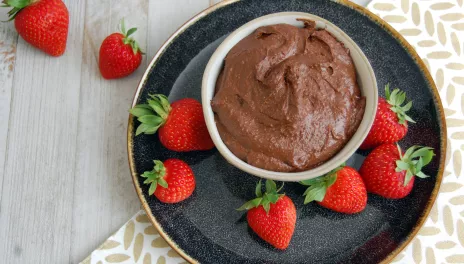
column 287, row 98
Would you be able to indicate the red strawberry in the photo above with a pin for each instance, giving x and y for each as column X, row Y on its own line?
column 175, row 178
column 341, row 190
column 42, row 23
column 271, row 216
column 120, row 55
column 390, row 124
column 389, row 173
column 181, row 125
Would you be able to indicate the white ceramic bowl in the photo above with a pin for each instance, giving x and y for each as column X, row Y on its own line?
column 366, row 82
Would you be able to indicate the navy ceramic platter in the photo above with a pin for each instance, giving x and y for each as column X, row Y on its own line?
column 206, row 228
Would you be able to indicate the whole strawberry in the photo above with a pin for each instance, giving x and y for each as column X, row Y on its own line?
column 391, row 121
column 271, row 216
column 120, row 55
column 181, row 126
column 341, row 190
column 389, row 173
column 175, row 179
column 42, row 23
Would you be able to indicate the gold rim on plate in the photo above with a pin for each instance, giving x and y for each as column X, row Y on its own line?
column 360, row 9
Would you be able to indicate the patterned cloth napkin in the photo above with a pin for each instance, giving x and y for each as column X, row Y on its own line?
column 436, row 30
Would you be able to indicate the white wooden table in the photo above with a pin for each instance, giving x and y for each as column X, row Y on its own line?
column 64, row 177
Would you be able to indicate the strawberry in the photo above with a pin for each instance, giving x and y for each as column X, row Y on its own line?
column 120, row 55
column 341, row 190
column 389, row 173
column 42, row 23
column 181, row 126
column 271, row 216
column 390, row 123
column 175, row 178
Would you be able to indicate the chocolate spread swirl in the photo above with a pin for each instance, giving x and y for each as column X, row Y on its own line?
column 287, row 98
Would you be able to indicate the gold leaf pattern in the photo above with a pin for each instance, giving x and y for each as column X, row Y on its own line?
column 417, row 251
column 448, row 148
column 445, row 245
column 457, row 162
column 429, row 256
column 398, row 258
column 462, row 213
column 450, row 187
column 439, row 55
column 449, row 112
column 405, row 5
column 143, row 218
column 109, row 244
column 455, row 66
column 450, row 94
column 456, row 44
column 429, row 231
column 161, row 260
column 128, row 234
column 159, row 243
column 453, row 122
column 99, row 262
column 458, row 135
column 440, row 78
column 458, row 26
column 151, row 230
column 426, row 62
column 441, row 33
column 415, row 14
column 384, row 6
column 410, row 32
column 138, row 246
column 117, row 258
column 441, row 6
column 147, row 259
column 394, row 19
column 426, row 43
column 460, row 228
column 173, row 254
column 459, row 80
column 458, row 258
column 452, row 17
column 434, row 213
column 462, row 103
column 447, row 173
column 429, row 25
column 457, row 200
column 448, row 220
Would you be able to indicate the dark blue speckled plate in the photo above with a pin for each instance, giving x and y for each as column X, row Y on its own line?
column 206, row 228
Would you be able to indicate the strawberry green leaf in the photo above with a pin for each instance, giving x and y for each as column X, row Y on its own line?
column 16, row 6
column 318, row 186
column 155, row 177
column 413, row 160
column 131, row 31
column 151, row 120
column 270, row 186
column 141, row 129
column 396, row 99
column 258, row 191
column 152, row 189
column 123, row 26
column 163, row 183
column 270, row 196
column 316, row 193
column 140, row 111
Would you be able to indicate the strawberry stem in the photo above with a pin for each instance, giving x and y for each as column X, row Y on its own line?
column 413, row 160
column 128, row 40
column 155, row 177
column 270, row 196
column 151, row 115
column 396, row 99
column 318, row 186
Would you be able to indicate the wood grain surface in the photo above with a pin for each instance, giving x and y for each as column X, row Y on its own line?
column 64, row 177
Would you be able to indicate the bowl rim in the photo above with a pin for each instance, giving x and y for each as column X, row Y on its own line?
column 363, row 11
column 342, row 155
